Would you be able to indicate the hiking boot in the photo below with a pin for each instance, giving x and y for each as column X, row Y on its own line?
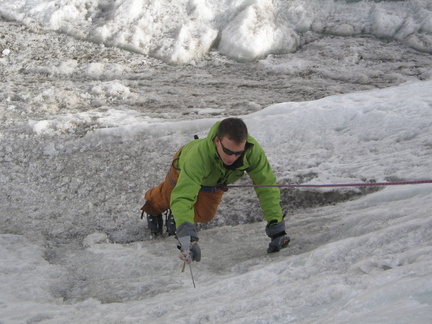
column 155, row 223
column 170, row 223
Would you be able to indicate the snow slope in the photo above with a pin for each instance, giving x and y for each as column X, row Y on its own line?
column 361, row 261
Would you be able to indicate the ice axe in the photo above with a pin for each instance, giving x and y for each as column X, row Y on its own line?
column 190, row 267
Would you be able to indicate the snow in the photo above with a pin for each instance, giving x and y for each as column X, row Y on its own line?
column 91, row 114
column 183, row 31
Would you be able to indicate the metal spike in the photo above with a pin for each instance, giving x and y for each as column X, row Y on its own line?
column 193, row 281
column 190, row 267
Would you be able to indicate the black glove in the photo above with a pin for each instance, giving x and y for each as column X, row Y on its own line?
column 188, row 243
column 279, row 238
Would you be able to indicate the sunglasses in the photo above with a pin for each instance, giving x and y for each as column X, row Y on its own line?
column 229, row 152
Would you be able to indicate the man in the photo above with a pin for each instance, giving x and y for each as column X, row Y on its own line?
column 197, row 169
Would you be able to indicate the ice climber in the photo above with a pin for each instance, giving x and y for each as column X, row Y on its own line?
column 188, row 194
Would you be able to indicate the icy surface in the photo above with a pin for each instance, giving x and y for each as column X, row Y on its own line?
column 90, row 115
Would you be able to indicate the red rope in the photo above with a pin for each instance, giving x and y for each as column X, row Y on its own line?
column 364, row 184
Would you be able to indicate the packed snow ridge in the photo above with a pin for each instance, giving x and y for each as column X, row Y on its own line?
column 184, row 31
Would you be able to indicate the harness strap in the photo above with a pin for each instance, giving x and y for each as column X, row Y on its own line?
column 203, row 188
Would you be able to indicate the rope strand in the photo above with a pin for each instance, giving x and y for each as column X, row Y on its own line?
column 364, row 184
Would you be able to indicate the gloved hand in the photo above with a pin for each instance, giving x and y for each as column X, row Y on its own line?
column 188, row 246
column 189, row 250
column 279, row 238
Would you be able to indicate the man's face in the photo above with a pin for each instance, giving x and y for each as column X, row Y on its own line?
column 229, row 150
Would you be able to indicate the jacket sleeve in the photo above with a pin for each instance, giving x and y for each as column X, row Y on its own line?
column 184, row 194
column 261, row 173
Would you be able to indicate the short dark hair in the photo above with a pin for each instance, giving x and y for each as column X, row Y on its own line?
column 233, row 128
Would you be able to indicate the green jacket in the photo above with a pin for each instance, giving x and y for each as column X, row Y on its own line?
column 199, row 165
